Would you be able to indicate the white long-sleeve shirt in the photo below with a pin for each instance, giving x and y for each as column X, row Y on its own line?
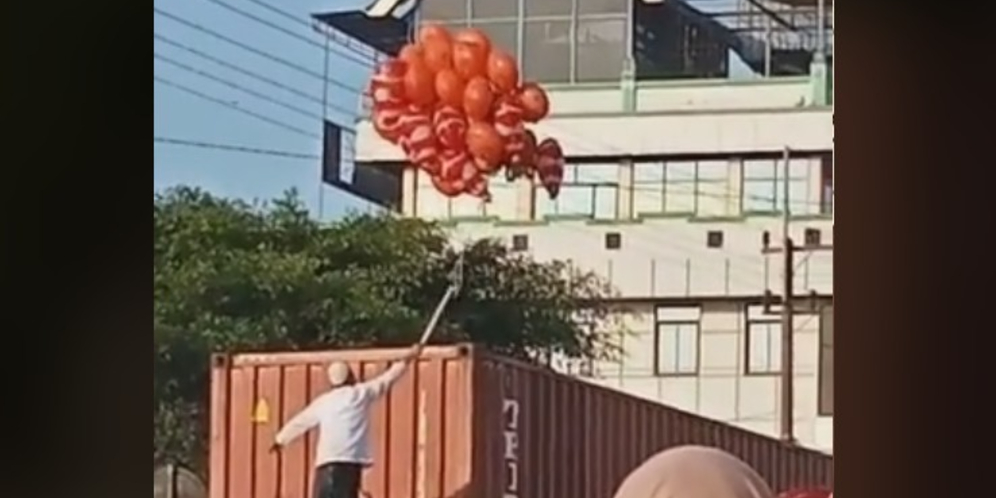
column 342, row 417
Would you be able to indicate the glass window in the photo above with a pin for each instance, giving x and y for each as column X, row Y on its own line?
column 601, row 48
column 679, row 187
column 546, row 50
column 542, row 8
column 677, row 347
column 504, row 200
column 596, row 173
column 826, row 361
column 492, row 9
column 712, row 188
column 648, row 188
column 504, row 34
column 443, row 10
column 764, row 346
column 826, row 185
column 759, row 182
column 603, row 7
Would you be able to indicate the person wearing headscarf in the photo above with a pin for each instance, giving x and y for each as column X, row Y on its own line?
column 694, row 472
column 342, row 415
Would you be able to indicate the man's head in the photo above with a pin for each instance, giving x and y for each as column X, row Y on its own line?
column 339, row 374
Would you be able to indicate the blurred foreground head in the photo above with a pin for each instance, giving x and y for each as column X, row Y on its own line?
column 339, row 374
column 694, row 472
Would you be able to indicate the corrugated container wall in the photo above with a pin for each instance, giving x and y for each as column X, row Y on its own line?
column 466, row 424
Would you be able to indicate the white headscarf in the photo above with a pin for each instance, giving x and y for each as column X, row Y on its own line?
column 338, row 373
column 694, row 472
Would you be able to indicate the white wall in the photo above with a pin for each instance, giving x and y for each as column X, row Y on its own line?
column 599, row 135
column 721, row 389
column 668, row 258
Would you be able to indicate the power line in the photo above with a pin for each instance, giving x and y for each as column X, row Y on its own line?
column 254, row 50
column 277, row 27
column 234, row 107
column 246, row 72
column 232, row 148
column 345, row 43
column 233, row 85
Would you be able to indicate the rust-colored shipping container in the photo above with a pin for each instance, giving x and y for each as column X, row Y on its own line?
column 466, row 424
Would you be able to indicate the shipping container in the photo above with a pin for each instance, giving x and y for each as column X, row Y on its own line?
column 464, row 423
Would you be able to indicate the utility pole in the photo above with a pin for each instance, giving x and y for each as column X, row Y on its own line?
column 788, row 251
column 788, row 322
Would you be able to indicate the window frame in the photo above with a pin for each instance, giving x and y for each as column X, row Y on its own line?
column 821, row 394
column 697, row 324
column 749, row 322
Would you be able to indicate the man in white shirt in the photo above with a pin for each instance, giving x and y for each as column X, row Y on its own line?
column 342, row 417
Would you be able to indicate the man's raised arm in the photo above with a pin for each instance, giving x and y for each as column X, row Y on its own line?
column 378, row 386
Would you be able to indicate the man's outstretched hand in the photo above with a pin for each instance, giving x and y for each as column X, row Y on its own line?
column 414, row 352
column 274, row 448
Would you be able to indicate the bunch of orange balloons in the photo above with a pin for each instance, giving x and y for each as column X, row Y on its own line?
column 455, row 105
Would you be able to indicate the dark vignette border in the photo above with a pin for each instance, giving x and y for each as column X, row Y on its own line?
column 908, row 411
column 75, row 250
column 75, row 257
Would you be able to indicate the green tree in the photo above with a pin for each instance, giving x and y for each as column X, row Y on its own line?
column 236, row 276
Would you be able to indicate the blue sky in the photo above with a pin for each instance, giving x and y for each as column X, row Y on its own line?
column 182, row 116
column 179, row 115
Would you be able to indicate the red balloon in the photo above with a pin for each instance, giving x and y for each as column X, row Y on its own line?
column 450, row 126
column 433, row 32
column 522, row 163
column 486, row 145
column 449, row 188
column 550, row 166
column 387, row 83
column 508, row 120
column 420, row 84
column 455, row 165
column 387, row 122
column 469, row 60
column 503, row 71
column 419, row 139
column 806, row 493
column 475, row 38
column 438, row 54
column 477, row 186
column 410, row 53
column 534, row 102
column 449, row 88
column 478, row 99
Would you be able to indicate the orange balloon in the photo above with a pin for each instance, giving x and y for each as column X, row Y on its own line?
column 478, row 99
column 410, row 53
column 535, row 104
column 438, row 54
column 420, row 84
column 486, row 145
column 474, row 37
column 503, row 71
column 449, row 88
column 428, row 32
column 469, row 60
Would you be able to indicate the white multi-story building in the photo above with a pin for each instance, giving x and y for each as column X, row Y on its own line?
column 669, row 190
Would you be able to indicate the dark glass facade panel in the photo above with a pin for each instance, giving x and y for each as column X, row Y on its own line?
column 504, row 34
column 539, row 8
column 443, row 10
column 492, row 9
column 601, row 48
column 602, row 7
column 546, row 51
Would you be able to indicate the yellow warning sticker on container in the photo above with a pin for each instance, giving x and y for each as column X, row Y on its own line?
column 261, row 414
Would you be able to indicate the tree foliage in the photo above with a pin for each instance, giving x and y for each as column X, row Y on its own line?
column 233, row 276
